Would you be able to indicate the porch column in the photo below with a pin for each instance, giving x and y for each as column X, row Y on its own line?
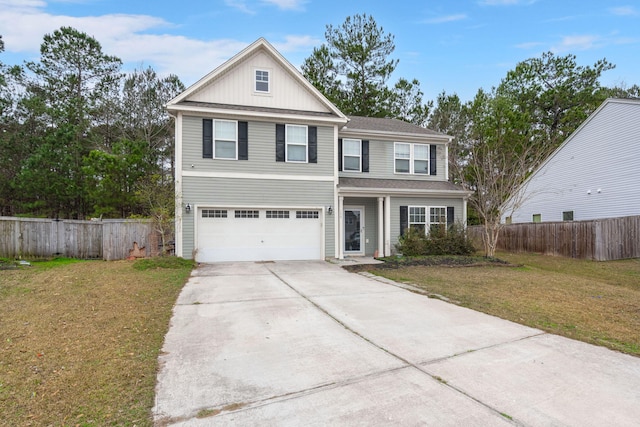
column 464, row 212
column 381, row 227
column 341, row 227
column 387, row 226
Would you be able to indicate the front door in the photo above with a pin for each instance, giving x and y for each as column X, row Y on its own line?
column 353, row 230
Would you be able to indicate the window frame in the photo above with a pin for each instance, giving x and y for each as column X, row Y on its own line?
column 246, row 214
column 567, row 215
column 215, row 140
column 214, row 213
column 264, row 73
column 307, row 214
column 423, row 214
column 537, row 218
column 277, row 214
column 287, row 143
column 412, row 158
column 442, row 215
column 358, row 156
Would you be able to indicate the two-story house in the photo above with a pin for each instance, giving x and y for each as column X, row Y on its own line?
column 268, row 169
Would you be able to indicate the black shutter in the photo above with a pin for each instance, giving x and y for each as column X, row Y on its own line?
column 450, row 216
column 207, row 138
column 340, row 154
column 280, row 143
column 404, row 219
column 313, row 144
column 432, row 159
column 365, row 156
column 243, row 141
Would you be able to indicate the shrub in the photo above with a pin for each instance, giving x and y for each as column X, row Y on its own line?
column 440, row 241
column 412, row 243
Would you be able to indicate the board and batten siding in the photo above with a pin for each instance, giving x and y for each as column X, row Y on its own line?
column 236, row 87
column 381, row 164
column 396, row 202
column 595, row 173
column 256, row 193
column 262, row 152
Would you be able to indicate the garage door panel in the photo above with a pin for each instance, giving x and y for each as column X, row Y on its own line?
column 259, row 239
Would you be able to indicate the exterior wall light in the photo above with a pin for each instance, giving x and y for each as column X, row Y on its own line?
column 188, row 208
column 329, row 210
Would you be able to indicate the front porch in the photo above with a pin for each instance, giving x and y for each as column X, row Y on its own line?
column 368, row 211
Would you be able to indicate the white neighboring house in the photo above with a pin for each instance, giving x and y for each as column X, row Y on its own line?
column 594, row 174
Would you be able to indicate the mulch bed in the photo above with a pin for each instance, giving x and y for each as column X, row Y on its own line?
column 435, row 261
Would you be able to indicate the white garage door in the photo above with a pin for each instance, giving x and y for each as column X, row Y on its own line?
column 258, row 234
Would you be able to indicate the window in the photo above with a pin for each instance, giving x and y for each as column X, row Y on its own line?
column 351, row 154
column 421, row 159
column 437, row 218
column 247, row 214
column 277, row 214
column 567, row 216
column 307, row 214
column 296, row 143
column 418, row 218
column 537, row 217
column 214, row 213
column 262, row 81
column 225, row 140
column 402, row 158
column 411, row 158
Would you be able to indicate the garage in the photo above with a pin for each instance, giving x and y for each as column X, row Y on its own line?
column 241, row 234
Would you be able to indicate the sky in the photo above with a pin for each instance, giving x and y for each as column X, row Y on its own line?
column 456, row 46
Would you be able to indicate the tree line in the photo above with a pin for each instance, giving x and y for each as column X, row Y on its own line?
column 79, row 138
column 500, row 136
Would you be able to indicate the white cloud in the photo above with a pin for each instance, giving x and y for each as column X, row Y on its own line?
column 287, row 4
column 296, row 43
column 241, row 5
column 25, row 22
column 445, row 18
column 573, row 43
column 624, row 11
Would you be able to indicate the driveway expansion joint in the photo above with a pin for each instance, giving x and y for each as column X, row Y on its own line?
column 407, row 362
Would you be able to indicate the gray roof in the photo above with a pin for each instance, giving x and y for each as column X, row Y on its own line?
column 376, row 124
column 254, row 108
column 397, row 184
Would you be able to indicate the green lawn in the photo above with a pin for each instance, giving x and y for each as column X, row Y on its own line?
column 79, row 340
column 595, row 302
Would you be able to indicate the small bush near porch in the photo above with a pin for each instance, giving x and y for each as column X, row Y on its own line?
column 440, row 241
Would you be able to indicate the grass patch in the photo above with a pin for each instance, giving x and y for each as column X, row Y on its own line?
column 79, row 340
column 595, row 302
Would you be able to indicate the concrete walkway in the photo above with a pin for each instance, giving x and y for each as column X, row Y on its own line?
column 307, row 343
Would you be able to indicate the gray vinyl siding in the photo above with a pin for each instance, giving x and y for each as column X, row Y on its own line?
column 234, row 192
column 370, row 221
column 262, row 152
column 396, row 202
column 381, row 164
column 601, row 155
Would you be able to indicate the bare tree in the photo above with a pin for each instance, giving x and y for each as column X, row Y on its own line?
column 497, row 161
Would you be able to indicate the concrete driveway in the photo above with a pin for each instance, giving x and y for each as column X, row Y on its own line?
column 307, row 343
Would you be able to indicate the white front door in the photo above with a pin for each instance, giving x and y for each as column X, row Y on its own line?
column 354, row 230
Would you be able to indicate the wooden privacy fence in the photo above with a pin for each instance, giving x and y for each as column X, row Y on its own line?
column 107, row 239
column 602, row 239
